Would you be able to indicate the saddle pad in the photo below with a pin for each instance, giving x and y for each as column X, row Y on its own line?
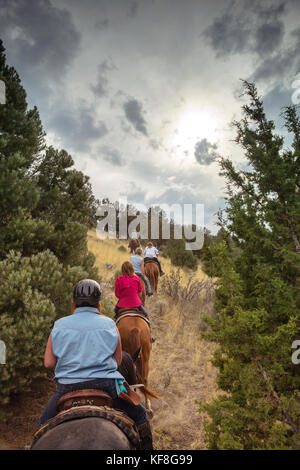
column 119, row 418
column 132, row 315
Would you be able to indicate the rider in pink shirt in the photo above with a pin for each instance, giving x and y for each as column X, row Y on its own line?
column 128, row 289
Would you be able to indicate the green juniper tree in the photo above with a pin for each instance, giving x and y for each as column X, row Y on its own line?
column 21, row 141
column 32, row 292
column 258, row 290
column 46, row 209
column 67, row 202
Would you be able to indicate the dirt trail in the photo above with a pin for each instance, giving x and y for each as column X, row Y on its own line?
column 181, row 372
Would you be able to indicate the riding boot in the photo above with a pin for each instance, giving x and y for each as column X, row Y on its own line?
column 145, row 436
column 161, row 273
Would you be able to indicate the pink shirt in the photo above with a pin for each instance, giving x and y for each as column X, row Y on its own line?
column 127, row 289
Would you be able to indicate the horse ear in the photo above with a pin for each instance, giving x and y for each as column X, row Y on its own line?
column 136, row 354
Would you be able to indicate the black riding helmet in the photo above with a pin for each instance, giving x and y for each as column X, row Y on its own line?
column 87, row 292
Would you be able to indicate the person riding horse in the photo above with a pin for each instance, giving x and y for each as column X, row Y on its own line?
column 151, row 254
column 128, row 290
column 138, row 265
column 85, row 350
column 133, row 242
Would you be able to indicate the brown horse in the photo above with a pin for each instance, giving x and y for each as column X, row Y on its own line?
column 135, row 334
column 152, row 272
column 133, row 244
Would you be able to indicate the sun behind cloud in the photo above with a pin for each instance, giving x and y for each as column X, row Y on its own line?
column 194, row 125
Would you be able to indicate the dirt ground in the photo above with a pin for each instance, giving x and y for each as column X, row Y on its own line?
column 24, row 412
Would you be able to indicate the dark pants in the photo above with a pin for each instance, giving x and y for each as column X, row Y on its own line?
column 141, row 308
column 137, row 413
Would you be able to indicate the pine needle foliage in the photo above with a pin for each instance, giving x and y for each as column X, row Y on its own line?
column 258, row 290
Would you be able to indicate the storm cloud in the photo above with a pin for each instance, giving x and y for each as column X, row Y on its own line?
column 77, row 126
column 285, row 61
column 246, row 26
column 114, row 80
column 134, row 114
column 205, row 152
column 39, row 35
column 111, row 155
column 258, row 32
column 101, row 87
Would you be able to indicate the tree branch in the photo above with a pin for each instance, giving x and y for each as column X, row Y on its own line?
column 277, row 400
column 292, row 230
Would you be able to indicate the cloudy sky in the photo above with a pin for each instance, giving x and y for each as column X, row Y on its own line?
column 142, row 93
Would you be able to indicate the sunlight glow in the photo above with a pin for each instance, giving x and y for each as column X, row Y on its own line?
column 193, row 126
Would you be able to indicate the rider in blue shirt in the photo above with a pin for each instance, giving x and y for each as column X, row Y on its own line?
column 85, row 350
column 138, row 264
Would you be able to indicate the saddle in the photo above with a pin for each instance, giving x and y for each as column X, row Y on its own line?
column 84, row 397
column 150, row 260
column 126, row 310
column 130, row 312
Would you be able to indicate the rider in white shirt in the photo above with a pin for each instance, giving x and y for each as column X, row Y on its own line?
column 151, row 252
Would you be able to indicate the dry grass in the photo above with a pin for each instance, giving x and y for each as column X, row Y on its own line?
column 108, row 258
column 181, row 371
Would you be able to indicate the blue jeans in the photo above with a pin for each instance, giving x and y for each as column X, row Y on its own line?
column 146, row 279
column 137, row 413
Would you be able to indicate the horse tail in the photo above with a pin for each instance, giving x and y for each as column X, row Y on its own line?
column 150, row 393
column 152, row 274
